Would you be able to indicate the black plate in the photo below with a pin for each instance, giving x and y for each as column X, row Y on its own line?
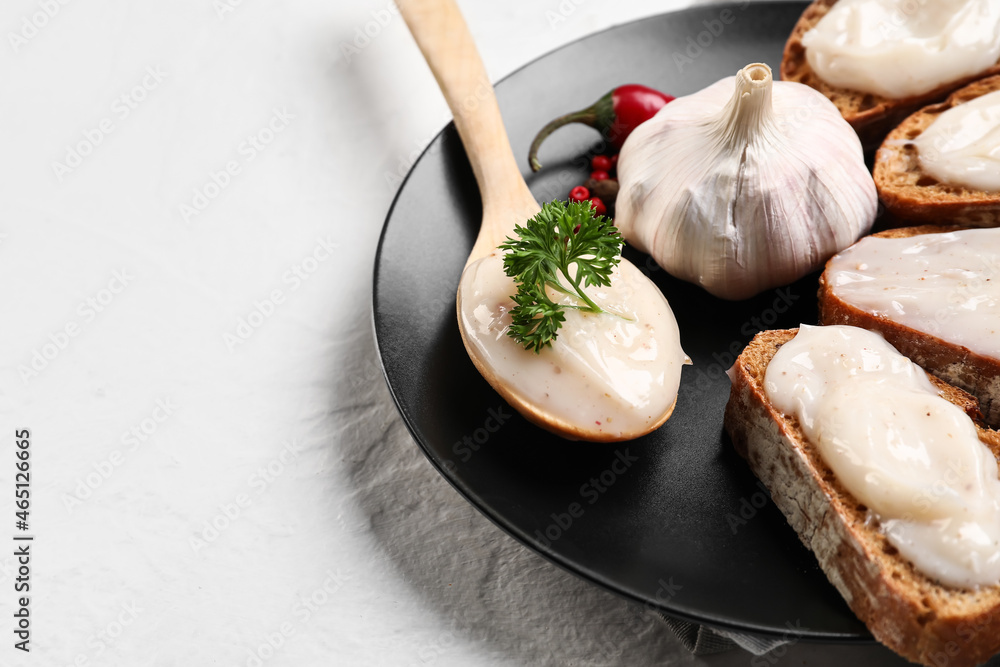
column 674, row 519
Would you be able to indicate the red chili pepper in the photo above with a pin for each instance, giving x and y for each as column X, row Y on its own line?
column 579, row 193
column 598, row 206
column 599, row 175
column 615, row 115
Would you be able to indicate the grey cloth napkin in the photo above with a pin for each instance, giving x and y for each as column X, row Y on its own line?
column 702, row 640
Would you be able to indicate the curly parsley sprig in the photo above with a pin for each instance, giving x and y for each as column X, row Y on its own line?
column 566, row 247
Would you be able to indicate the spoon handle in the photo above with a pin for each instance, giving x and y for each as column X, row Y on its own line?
column 447, row 45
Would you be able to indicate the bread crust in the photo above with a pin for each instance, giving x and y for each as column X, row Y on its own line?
column 871, row 116
column 905, row 610
column 955, row 364
column 912, row 195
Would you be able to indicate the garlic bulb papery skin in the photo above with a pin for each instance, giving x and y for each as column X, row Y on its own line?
column 742, row 191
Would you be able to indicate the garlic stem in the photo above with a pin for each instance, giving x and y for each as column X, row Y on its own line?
column 749, row 111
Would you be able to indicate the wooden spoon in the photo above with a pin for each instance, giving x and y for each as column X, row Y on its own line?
column 446, row 43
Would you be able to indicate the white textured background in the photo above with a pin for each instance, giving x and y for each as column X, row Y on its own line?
column 207, row 492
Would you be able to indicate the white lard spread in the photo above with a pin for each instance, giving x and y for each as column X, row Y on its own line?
column 615, row 372
column 913, row 458
column 962, row 146
column 947, row 285
column 900, row 48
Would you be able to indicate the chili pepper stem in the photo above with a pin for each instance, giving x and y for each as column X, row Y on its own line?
column 586, row 116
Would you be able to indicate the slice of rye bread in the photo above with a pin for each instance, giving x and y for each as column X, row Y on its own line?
column 912, row 195
column 908, row 612
column 977, row 374
column 871, row 116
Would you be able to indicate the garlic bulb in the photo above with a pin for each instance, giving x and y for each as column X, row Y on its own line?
column 743, row 191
